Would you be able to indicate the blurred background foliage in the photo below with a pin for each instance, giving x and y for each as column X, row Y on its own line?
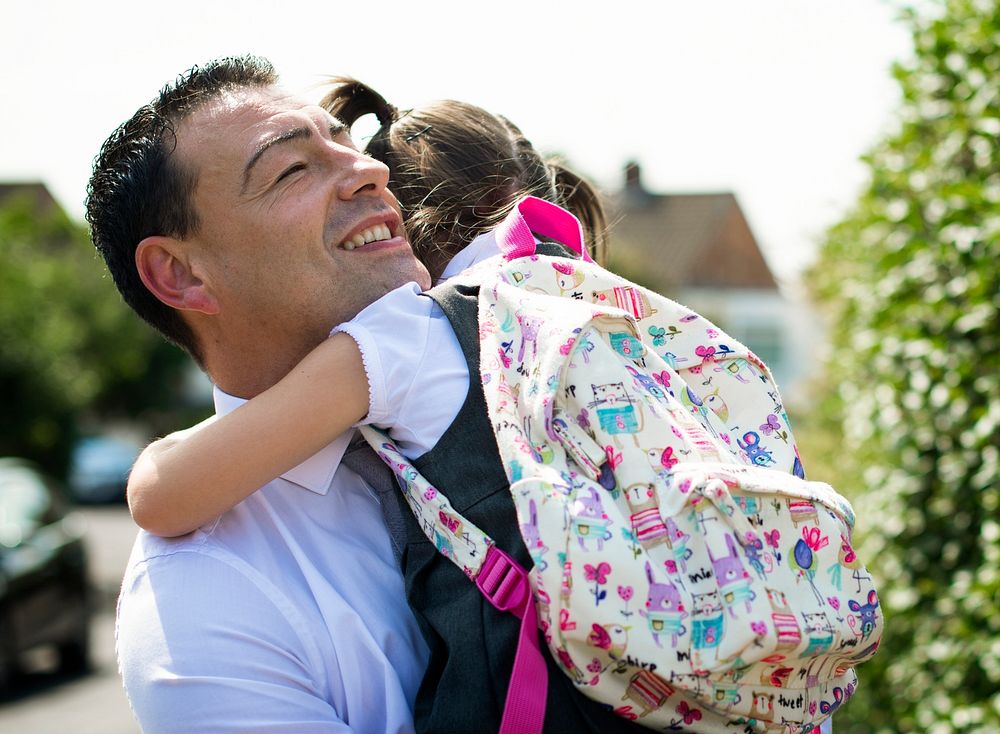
column 907, row 424
column 74, row 357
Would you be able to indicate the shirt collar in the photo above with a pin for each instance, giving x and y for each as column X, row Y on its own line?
column 316, row 472
column 483, row 247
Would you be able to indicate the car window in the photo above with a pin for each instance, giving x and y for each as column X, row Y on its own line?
column 24, row 501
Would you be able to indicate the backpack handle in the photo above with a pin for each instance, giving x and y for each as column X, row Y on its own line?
column 516, row 233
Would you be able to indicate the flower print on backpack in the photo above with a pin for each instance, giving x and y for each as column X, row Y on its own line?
column 661, row 334
column 662, row 460
column 772, row 425
column 599, row 576
column 577, row 344
column 609, row 642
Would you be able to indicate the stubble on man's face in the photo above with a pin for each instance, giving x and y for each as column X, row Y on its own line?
column 280, row 190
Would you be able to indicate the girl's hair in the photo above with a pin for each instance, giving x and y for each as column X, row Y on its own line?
column 457, row 170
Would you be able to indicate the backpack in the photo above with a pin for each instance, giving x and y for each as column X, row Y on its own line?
column 685, row 573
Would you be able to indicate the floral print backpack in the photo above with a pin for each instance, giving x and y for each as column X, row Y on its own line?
column 685, row 573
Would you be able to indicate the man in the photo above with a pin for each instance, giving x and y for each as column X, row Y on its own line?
column 222, row 210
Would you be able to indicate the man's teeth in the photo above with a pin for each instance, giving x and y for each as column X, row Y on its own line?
column 373, row 234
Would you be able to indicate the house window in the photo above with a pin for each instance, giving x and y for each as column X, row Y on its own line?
column 765, row 340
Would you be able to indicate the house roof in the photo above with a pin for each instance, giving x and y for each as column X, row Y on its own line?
column 35, row 192
column 685, row 240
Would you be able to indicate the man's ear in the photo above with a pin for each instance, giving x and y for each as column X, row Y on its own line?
column 165, row 270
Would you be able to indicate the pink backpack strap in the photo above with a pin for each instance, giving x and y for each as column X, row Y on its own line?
column 500, row 578
column 505, row 584
column 530, row 216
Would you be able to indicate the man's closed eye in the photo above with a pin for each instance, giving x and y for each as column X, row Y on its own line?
column 290, row 170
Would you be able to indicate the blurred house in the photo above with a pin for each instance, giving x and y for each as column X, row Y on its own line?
column 34, row 193
column 699, row 250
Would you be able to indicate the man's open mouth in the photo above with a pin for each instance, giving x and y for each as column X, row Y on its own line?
column 376, row 233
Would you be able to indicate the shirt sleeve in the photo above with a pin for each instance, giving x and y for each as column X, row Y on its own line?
column 202, row 648
column 418, row 377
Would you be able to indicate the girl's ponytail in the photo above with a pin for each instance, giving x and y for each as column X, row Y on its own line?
column 349, row 100
column 577, row 194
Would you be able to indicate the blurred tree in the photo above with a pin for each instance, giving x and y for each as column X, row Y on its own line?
column 73, row 354
column 911, row 280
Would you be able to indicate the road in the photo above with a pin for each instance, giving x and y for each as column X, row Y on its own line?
column 45, row 702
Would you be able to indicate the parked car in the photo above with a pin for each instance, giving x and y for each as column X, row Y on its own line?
column 45, row 593
column 99, row 467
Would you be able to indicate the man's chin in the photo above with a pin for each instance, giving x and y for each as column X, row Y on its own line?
column 424, row 281
column 416, row 272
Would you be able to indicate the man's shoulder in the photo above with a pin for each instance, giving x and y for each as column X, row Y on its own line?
column 224, row 547
column 187, row 549
column 183, row 565
column 195, row 580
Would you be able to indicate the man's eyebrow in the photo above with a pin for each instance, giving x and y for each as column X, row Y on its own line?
column 282, row 137
column 336, row 128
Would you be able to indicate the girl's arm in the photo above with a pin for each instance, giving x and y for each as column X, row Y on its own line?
column 186, row 479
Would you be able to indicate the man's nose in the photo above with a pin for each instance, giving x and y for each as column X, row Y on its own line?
column 360, row 175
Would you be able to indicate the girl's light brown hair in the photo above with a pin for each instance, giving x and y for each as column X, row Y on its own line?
column 458, row 169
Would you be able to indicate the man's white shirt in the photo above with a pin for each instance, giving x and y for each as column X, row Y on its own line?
column 287, row 614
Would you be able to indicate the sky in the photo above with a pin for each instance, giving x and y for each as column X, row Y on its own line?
column 774, row 100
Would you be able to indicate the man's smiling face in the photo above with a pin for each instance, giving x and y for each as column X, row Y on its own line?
column 296, row 229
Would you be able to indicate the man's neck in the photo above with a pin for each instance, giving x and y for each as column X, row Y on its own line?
column 246, row 375
column 245, row 362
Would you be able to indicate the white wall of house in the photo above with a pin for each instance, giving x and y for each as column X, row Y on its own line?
column 782, row 329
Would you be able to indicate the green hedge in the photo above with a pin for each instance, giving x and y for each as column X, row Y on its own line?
column 911, row 283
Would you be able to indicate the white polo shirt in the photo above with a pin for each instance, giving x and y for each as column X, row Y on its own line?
column 287, row 614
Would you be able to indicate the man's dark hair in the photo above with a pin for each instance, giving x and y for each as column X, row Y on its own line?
column 138, row 189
